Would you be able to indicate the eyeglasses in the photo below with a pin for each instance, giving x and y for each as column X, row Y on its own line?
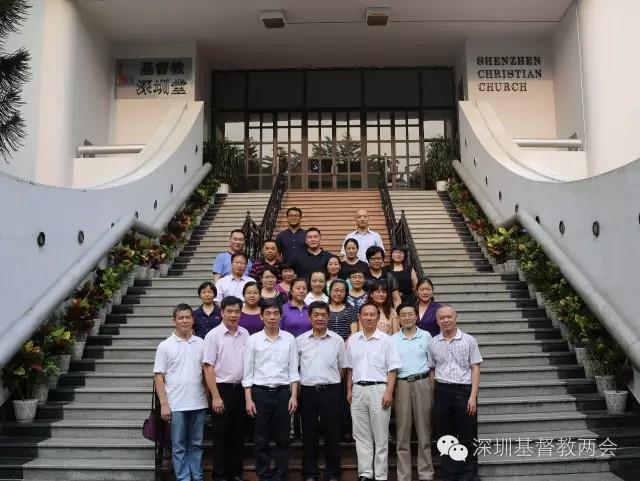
column 375, row 258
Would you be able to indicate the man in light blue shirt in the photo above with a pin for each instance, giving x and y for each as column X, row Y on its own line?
column 222, row 264
column 414, row 394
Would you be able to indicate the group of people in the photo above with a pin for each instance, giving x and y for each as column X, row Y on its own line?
column 301, row 336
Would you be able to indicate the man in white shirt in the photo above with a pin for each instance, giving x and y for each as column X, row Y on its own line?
column 365, row 236
column 223, row 362
column 179, row 384
column 232, row 284
column 454, row 362
column 271, row 390
column 371, row 362
column 321, row 353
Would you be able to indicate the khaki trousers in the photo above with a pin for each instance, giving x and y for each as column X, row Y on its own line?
column 413, row 408
column 371, row 430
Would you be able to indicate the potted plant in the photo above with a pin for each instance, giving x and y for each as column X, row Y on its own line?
column 79, row 320
column 126, row 259
column 110, row 285
column 226, row 163
column 46, row 378
column 501, row 247
column 439, row 157
column 19, row 375
column 59, row 343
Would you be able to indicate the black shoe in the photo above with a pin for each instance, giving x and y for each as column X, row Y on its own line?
column 364, row 478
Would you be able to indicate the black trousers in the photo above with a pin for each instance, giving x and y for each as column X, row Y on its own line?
column 321, row 406
column 229, row 430
column 451, row 418
column 271, row 422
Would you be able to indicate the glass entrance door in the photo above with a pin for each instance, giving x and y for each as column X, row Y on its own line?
column 334, row 151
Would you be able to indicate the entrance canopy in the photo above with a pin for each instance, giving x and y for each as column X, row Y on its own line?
column 330, row 33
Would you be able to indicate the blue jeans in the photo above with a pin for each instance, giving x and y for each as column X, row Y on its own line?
column 186, row 444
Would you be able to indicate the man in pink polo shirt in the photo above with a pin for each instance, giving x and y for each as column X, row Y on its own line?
column 223, row 362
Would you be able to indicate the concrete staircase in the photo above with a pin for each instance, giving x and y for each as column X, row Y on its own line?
column 333, row 213
column 531, row 386
column 91, row 427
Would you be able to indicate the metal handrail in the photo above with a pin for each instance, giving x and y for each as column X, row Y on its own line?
column 387, row 206
column 573, row 144
column 87, row 150
column 399, row 232
column 270, row 217
column 252, row 242
column 401, row 236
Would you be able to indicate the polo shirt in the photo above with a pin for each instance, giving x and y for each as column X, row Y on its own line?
column 371, row 359
column 365, row 240
column 291, row 244
column 231, row 286
column 222, row 265
column 203, row 322
column 294, row 320
column 270, row 362
column 225, row 352
column 320, row 358
column 181, row 363
column 453, row 359
column 308, row 263
column 259, row 266
column 413, row 352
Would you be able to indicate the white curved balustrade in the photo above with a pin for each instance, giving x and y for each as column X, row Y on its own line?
column 589, row 226
column 33, row 276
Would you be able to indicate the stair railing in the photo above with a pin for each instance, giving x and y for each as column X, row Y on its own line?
column 270, row 217
column 252, row 237
column 399, row 232
column 401, row 236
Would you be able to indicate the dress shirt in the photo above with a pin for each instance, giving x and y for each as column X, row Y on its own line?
column 413, row 352
column 231, row 286
column 225, row 352
column 295, row 320
column 222, row 265
column 373, row 358
column 181, row 363
column 365, row 240
column 203, row 322
column 453, row 359
column 321, row 358
column 270, row 362
column 291, row 244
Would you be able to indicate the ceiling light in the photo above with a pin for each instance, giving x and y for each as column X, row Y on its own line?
column 377, row 16
column 273, row 18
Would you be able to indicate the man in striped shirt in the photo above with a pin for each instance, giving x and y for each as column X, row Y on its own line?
column 454, row 362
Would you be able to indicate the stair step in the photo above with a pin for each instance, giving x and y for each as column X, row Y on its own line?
column 80, row 469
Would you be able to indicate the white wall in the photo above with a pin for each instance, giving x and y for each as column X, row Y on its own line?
column 74, row 99
column 133, row 121
column 23, row 162
column 608, row 44
column 567, row 78
column 529, row 113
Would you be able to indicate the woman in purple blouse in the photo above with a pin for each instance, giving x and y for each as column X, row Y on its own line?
column 295, row 314
column 250, row 315
column 427, row 307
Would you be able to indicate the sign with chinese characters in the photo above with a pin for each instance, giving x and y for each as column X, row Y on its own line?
column 153, row 78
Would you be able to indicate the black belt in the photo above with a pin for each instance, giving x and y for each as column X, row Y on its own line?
column 271, row 388
column 230, row 384
column 370, row 383
column 452, row 384
column 322, row 387
column 414, row 377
